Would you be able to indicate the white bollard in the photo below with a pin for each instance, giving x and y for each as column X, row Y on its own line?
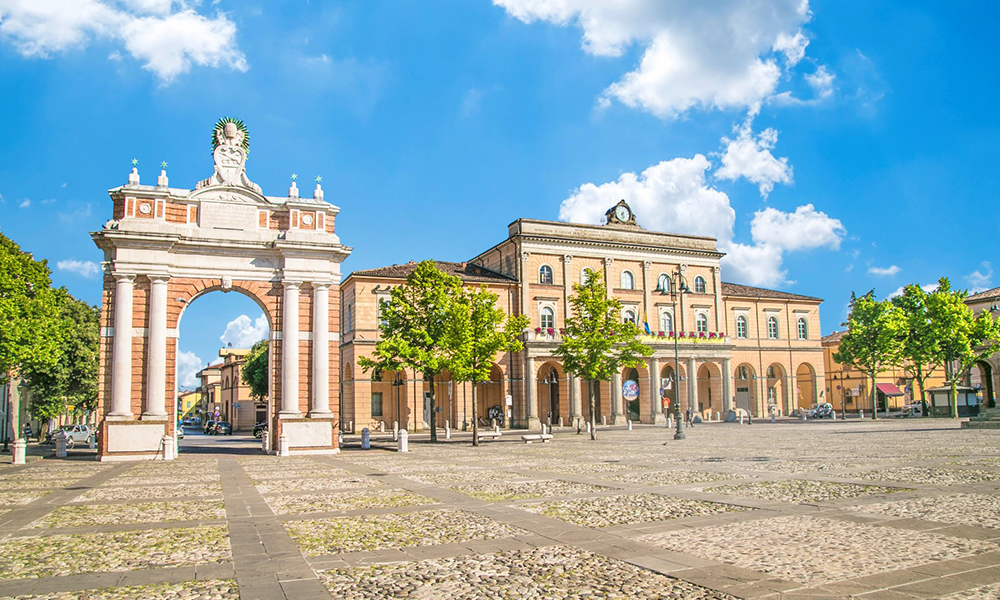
column 395, row 430
column 447, row 431
column 772, row 417
column 629, row 422
column 741, row 418
column 264, row 439
column 340, row 439
column 92, row 441
column 403, row 444
column 20, row 451
column 350, row 426
column 670, row 422
column 604, row 420
column 366, row 439
column 560, row 423
column 60, row 439
column 496, row 427
column 833, row 415
column 804, row 415
column 588, row 426
column 861, row 414
column 168, row 447
column 718, row 416
column 283, row 445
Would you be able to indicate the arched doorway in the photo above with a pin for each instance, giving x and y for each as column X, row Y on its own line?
column 776, row 389
column 805, row 385
column 710, row 389
column 632, row 389
column 745, row 379
column 981, row 378
column 490, row 396
column 165, row 246
column 673, row 394
column 549, row 393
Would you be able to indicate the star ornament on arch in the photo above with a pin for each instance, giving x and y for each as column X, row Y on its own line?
column 163, row 165
column 135, row 161
column 294, row 176
column 319, row 179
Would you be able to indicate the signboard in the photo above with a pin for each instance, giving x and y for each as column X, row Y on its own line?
column 630, row 390
column 225, row 215
column 508, row 400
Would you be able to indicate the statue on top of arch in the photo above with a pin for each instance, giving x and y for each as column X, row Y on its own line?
column 230, row 148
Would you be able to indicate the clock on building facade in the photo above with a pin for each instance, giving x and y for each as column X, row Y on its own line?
column 620, row 214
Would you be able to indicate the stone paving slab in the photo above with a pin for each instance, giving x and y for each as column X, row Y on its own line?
column 625, row 509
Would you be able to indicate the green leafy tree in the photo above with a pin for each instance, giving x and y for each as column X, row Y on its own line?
column 921, row 347
column 483, row 329
column 875, row 338
column 29, row 320
column 964, row 338
column 71, row 379
column 418, row 330
column 254, row 372
column 596, row 343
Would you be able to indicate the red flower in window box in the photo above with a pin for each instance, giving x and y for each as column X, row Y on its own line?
column 550, row 331
column 538, row 329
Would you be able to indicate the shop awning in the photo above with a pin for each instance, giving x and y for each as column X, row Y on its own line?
column 888, row 389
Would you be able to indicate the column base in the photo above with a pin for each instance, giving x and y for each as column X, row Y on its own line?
column 153, row 417
column 308, row 436
column 120, row 417
column 659, row 419
column 124, row 440
column 319, row 414
column 533, row 423
column 617, row 419
column 289, row 414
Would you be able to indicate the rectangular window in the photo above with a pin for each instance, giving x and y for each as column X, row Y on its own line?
column 376, row 404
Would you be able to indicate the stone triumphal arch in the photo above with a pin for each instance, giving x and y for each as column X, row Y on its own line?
column 166, row 246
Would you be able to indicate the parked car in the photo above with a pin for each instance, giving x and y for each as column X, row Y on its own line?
column 77, row 434
column 222, row 428
column 209, row 426
column 180, row 432
column 820, row 411
column 259, row 429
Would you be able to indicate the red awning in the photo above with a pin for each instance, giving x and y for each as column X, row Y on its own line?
column 888, row 389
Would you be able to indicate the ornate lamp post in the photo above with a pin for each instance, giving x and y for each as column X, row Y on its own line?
column 678, row 286
column 398, row 382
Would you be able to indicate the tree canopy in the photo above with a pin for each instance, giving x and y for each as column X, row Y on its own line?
column 921, row 345
column 482, row 329
column 418, row 328
column 874, row 341
column 254, row 372
column 596, row 342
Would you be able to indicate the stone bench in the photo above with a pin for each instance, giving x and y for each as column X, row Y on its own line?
column 489, row 435
column 537, row 437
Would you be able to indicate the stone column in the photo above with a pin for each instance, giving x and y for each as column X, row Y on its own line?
column 531, row 412
column 616, row 398
column 121, row 351
column 717, row 285
column 655, row 403
column 727, row 383
column 692, row 376
column 290, row 353
column 156, row 357
column 575, row 411
column 321, row 352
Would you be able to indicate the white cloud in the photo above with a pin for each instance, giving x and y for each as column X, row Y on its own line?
column 821, row 82
column 167, row 42
column 84, row 268
column 750, row 156
column 695, row 55
column 25, row 203
column 242, row 333
column 674, row 196
column 670, row 196
column 883, row 271
column 980, row 281
column 188, row 365
column 804, row 229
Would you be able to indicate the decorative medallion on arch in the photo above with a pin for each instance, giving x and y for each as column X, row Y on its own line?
column 225, row 235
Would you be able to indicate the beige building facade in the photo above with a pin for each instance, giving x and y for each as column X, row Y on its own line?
column 737, row 347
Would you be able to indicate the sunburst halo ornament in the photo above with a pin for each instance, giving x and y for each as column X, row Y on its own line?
column 239, row 124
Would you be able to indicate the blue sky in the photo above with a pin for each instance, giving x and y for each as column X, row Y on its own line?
column 830, row 146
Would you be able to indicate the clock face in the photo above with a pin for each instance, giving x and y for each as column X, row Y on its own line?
column 622, row 213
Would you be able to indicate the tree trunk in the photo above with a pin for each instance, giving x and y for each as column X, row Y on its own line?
column 874, row 400
column 593, row 419
column 953, row 394
column 434, row 433
column 923, row 395
column 475, row 416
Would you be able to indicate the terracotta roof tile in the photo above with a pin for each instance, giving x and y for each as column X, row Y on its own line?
column 466, row 271
column 748, row 291
column 988, row 294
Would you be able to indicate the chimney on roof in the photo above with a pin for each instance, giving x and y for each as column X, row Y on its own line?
column 412, row 262
column 464, row 265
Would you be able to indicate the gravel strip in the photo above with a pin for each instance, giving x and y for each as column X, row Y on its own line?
column 422, row 528
column 800, row 491
column 35, row 484
column 787, row 547
column 978, row 510
column 21, row 498
column 217, row 589
column 584, row 468
column 102, row 494
column 608, row 511
column 343, row 501
column 552, row 573
column 499, row 492
column 55, row 555
column 318, row 484
column 463, row 476
column 930, row 475
column 145, row 512
column 173, row 479
column 673, row 477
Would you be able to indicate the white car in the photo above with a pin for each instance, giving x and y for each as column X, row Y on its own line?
column 77, row 434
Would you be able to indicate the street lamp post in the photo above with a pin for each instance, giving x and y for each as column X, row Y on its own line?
column 398, row 382
column 678, row 286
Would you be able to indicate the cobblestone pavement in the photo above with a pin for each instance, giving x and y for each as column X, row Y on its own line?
column 893, row 509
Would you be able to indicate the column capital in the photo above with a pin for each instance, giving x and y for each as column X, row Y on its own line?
column 124, row 276
column 608, row 260
column 567, row 258
column 647, row 265
column 321, row 285
column 291, row 284
column 158, row 277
